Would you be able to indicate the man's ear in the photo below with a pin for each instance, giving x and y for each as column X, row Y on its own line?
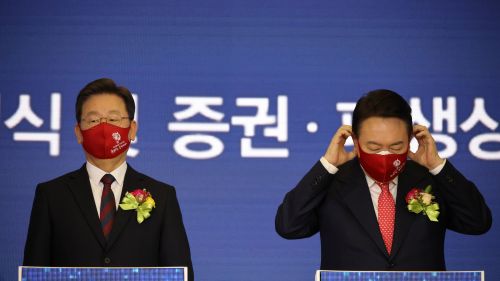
column 78, row 134
column 133, row 130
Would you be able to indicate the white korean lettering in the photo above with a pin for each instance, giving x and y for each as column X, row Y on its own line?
column 479, row 115
column 263, row 118
column 24, row 111
column 477, row 141
column 346, row 108
column 440, row 114
column 417, row 115
column 198, row 107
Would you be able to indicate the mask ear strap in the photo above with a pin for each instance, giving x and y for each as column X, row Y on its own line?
column 358, row 146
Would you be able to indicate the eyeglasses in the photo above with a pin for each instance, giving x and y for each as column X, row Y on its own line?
column 94, row 120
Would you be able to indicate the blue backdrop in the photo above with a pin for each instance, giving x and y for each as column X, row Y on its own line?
column 237, row 100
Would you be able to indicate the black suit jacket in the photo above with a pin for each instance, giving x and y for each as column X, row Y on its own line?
column 340, row 207
column 65, row 229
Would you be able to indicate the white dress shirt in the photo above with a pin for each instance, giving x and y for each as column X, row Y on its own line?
column 372, row 185
column 95, row 176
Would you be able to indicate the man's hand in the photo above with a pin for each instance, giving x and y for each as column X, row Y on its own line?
column 336, row 154
column 426, row 155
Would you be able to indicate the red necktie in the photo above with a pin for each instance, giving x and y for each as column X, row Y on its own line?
column 108, row 209
column 386, row 215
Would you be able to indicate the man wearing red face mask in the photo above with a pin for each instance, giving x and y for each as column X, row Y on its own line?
column 359, row 200
column 77, row 219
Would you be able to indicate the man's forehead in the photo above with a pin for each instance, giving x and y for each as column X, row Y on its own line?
column 106, row 102
column 378, row 133
column 389, row 124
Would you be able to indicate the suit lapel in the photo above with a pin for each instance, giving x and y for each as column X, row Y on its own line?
column 356, row 194
column 407, row 180
column 131, row 182
column 79, row 185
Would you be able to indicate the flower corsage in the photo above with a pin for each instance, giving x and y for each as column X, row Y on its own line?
column 139, row 200
column 420, row 201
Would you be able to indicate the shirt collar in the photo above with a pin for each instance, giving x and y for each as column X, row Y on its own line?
column 370, row 181
column 96, row 174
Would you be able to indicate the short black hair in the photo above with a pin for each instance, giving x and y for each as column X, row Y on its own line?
column 104, row 86
column 381, row 103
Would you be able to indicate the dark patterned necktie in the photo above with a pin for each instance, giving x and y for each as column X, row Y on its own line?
column 108, row 208
column 386, row 215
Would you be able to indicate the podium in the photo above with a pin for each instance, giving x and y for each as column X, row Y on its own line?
column 329, row 275
column 32, row 273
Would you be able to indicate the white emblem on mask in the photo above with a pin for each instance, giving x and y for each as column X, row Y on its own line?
column 116, row 136
column 396, row 163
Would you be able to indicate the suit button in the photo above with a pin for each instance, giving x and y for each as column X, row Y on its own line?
column 107, row 260
column 391, row 265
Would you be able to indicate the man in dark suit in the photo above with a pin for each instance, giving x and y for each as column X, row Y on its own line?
column 76, row 219
column 357, row 200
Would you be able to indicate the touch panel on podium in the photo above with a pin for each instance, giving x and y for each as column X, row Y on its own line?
column 29, row 273
column 327, row 275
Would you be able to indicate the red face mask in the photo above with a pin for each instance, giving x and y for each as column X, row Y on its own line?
column 105, row 141
column 382, row 167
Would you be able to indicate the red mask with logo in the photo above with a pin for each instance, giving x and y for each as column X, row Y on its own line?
column 382, row 166
column 105, row 141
